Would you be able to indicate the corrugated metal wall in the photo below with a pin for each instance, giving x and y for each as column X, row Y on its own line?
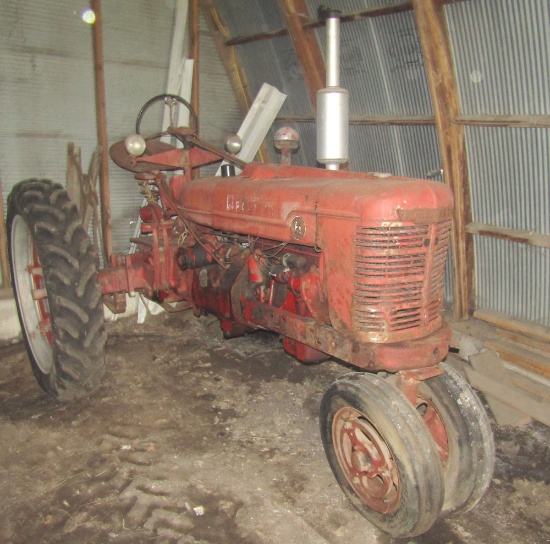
column 47, row 92
column 501, row 50
column 381, row 66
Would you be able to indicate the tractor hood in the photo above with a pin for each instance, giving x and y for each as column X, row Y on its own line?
column 285, row 202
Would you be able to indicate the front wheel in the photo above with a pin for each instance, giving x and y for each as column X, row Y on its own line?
column 57, row 292
column 462, row 432
column 382, row 454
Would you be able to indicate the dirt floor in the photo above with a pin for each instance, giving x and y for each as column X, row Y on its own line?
column 193, row 439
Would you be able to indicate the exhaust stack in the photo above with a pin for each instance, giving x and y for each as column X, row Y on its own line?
column 332, row 104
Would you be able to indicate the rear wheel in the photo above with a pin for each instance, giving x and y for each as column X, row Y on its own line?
column 57, row 292
column 462, row 432
column 382, row 454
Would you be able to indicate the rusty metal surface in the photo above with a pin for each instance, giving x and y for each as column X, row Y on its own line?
column 122, row 158
column 425, row 352
column 399, row 278
column 366, row 461
column 342, row 264
column 263, row 204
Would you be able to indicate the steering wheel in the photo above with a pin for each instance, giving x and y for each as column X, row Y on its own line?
column 170, row 100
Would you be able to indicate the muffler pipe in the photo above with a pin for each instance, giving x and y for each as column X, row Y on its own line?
column 332, row 104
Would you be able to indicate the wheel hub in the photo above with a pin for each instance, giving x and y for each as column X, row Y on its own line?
column 40, row 296
column 435, row 425
column 365, row 460
column 32, row 297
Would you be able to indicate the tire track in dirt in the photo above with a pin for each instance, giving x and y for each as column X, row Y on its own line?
column 128, row 491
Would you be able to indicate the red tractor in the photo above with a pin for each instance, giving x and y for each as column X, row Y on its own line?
column 339, row 264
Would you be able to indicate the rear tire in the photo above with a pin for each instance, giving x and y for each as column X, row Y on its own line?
column 382, row 454
column 57, row 292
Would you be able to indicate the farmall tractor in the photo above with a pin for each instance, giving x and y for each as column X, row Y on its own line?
column 339, row 264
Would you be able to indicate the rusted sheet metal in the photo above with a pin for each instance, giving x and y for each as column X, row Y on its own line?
column 265, row 201
column 121, row 158
column 421, row 353
column 386, row 282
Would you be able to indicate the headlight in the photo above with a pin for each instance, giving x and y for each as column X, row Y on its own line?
column 135, row 145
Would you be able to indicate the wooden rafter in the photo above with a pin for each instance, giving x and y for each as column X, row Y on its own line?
column 508, row 121
column 194, row 50
column 307, row 24
column 512, row 235
column 305, row 44
column 228, row 55
column 434, row 37
column 398, row 120
column 231, row 62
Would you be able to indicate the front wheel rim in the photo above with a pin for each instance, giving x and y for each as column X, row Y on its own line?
column 31, row 294
column 365, row 460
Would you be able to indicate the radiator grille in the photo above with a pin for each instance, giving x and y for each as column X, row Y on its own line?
column 399, row 277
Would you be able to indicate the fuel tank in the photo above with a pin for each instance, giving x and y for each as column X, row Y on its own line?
column 285, row 203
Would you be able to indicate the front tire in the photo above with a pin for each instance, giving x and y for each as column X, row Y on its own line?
column 57, row 292
column 462, row 432
column 381, row 454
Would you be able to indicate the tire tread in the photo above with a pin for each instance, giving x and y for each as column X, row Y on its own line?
column 74, row 294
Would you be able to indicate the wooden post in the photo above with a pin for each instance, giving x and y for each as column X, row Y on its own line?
column 194, row 21
column 434, row 37
column 101, row 119
column 6, row 280
column 194, row 24
column 306, row 46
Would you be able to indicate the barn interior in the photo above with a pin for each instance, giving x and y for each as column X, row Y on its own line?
column 191, row 436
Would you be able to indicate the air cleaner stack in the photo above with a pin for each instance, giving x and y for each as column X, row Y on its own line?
column 332, row 104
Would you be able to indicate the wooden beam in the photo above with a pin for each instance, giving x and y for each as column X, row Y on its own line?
column 504, row 321
column 309, row 24
column 194, row 24
column 101, row 119
column 260, row 36
column 524, row 340
column 232, row 63
column 511, row 121
column 307, row 49
column 510, row 384
column 391, row 9
column 194, row 12
column 410, row 120
column 512, row 235
column 526, row 358
column 228, row 55
column 434, row 37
